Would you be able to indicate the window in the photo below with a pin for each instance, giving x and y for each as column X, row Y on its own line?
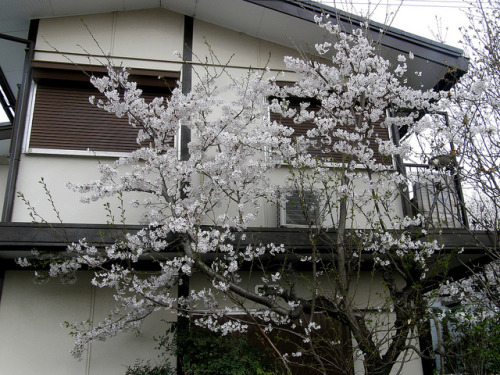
column 321, row 149
column 64, row 119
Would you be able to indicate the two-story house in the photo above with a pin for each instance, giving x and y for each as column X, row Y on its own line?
column 55, row 134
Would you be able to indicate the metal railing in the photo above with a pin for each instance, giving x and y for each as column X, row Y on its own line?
column 436, row 195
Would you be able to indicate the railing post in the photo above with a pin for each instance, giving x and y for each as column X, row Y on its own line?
column 400, row 168
column 456, row 178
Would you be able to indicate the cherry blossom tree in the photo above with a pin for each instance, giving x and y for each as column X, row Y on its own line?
column 366, row 268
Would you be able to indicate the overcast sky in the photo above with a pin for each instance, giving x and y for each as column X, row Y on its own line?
column 420, row 17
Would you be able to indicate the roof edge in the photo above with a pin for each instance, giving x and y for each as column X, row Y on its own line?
column 306, row 9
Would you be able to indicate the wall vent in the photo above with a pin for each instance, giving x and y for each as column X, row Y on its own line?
column 301, row 209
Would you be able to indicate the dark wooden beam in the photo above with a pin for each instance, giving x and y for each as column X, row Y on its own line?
column 15, row 236
column 28, row 235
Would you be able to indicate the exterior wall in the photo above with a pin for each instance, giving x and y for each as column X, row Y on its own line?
column 33, row 342
column 142, row 36
column 238, row 49
column 31, row 315
column 408, row 365
column 57, row 171
column 368, row 290
column 368, row 293
column 148, row 38
column 242, row 52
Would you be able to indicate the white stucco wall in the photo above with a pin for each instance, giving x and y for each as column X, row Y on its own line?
column 147, row 37
column 32, row 340
column 242, row 52
column 57, row 171
column 368, row 294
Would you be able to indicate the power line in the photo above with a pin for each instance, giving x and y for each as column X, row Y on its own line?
column 455, row 4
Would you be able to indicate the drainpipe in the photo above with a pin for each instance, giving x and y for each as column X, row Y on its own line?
column 2, row 278
column 18, row 125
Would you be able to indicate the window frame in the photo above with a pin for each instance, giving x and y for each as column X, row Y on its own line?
column 334, row 162
column 53, row 74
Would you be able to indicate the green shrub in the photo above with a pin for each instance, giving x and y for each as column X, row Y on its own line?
column 473, row 348
column 147, row 368
column 202, row 352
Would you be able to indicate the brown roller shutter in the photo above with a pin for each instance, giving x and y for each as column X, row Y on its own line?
column 319, row 151
column 64, row 119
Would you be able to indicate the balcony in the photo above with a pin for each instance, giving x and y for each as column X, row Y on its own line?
column 436, row 194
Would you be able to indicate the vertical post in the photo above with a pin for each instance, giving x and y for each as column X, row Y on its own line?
column 187, row 76
column 185, row 138
column 456, row 179
column 425, row 342
column 400, row 168
column 19, row 125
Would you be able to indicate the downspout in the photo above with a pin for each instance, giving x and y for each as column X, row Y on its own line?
column 185, row 138
column 19, row 123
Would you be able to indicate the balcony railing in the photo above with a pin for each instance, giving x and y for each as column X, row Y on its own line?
column 435, row 194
